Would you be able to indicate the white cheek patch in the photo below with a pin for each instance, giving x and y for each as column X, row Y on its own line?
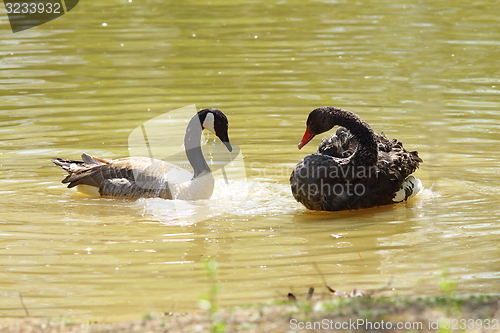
column 208, row 123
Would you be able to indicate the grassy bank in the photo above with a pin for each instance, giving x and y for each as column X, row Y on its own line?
column 357, row 314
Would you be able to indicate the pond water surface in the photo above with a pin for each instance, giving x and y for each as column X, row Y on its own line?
column 424, row 72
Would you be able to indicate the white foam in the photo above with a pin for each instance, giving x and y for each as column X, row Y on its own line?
column 237, row 198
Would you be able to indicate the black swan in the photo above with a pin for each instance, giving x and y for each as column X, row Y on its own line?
column 136, row 177
column 355, row 168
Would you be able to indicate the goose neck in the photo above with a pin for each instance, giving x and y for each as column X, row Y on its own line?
column 192, row 146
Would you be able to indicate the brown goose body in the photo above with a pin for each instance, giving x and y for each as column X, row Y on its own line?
column 131, row 177
column 355, row 168
column 136, row 177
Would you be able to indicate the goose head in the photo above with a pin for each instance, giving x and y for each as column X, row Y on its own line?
column 216, row 122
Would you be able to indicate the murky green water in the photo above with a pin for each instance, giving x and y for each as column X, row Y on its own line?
column 426, row 73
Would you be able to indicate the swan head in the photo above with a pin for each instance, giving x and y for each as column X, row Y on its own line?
column 216, row 122
column 318, row 121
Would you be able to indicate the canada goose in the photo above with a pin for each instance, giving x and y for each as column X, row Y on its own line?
column 355, row 168
column 136, row 177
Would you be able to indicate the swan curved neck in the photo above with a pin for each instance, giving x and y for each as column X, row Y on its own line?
column 193, row 147
column 368, row 148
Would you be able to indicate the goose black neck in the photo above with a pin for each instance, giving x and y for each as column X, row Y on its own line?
column 192, row 146
column 368, row 149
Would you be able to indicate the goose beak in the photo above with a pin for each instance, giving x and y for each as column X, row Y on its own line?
column 306, row 138
column 225, row 140
column 228, row 145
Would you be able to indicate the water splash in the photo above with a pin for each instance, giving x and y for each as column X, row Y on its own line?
column 232, row 199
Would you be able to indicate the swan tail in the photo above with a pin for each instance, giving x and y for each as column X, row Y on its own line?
column 410, row 187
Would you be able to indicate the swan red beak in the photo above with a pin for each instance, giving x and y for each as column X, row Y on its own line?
column 306, row 138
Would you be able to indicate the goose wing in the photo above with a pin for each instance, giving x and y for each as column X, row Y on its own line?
column 130, row 177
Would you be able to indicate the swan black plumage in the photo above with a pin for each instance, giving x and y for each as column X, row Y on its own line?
column 136, row 177
column 355, row 168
